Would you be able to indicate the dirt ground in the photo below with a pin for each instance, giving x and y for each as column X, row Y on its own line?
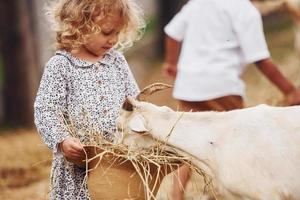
column 25, row 165
column 25, row 161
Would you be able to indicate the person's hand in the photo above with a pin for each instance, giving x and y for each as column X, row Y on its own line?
column 170, row 69
column 293, row 98
column 72, row 149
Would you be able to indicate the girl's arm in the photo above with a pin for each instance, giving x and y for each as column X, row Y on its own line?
column 172, row 51
column 72, row 149
column 50, row 103
column 270, row 70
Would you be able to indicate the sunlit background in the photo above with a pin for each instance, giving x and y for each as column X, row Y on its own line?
column 26, row 44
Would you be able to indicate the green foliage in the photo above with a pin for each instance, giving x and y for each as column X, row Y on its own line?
column 151, row 25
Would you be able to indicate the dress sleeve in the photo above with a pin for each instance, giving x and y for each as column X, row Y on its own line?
column 177, row 26
column 50, row 103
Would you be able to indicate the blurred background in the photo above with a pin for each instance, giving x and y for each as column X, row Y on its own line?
column 26, row 44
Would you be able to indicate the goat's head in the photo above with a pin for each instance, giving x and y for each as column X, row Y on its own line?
column 136, row 114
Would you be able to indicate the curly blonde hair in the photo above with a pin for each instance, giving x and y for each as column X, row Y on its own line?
column 74, row 20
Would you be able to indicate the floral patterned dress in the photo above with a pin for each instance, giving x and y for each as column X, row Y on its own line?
column 91, row 94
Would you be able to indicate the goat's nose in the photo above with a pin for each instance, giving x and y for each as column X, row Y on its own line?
column 120, row 129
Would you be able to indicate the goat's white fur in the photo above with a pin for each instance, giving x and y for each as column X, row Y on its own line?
column 251, row 154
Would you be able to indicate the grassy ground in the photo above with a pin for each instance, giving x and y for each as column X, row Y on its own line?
column 25, row 161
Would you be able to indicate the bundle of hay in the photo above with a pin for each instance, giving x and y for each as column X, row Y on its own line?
column 117, row 171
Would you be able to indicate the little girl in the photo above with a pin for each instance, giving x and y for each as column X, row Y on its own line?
column 86, row 76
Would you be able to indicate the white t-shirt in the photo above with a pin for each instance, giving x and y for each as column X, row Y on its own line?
column 219, row 37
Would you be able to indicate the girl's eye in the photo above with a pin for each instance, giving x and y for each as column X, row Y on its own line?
column 106, row 33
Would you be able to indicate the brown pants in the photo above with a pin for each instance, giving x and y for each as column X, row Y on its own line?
column 225, row 103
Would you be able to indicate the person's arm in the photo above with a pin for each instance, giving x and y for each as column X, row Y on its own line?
column 49, row 106
column 270, row 70
column 172, row 51
column 175, row 32
column 72, row 149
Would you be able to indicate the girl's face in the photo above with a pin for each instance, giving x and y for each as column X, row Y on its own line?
column 98, row 44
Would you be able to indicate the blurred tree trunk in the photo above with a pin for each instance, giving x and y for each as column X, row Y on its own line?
column 21, row 67
column 167, row 10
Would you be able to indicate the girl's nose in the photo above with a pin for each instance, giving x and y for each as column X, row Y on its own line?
column 113, row 40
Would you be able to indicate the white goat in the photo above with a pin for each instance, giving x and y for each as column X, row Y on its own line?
column 251, row 154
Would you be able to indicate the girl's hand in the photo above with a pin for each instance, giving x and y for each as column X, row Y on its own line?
column 170, row 70
column 72, row 149
column 293, row 98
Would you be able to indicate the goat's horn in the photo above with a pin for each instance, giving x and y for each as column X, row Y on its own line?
column 151, row 89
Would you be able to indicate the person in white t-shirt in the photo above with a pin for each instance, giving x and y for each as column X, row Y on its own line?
column 208, row 44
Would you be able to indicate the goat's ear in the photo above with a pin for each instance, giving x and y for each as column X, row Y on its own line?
column 137, row 124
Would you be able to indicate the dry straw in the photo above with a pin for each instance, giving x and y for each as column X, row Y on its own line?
column 160, row 155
